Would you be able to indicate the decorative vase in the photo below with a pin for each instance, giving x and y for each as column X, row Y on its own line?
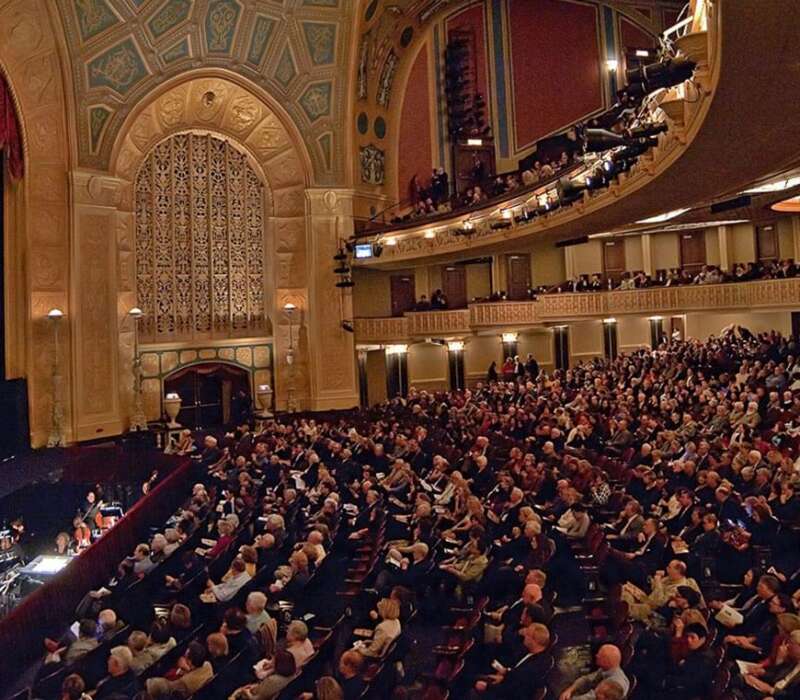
column 264, row 398
column 172, row 405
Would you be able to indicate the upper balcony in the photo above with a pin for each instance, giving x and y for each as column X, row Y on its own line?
column 560, row 308
column 742, row 89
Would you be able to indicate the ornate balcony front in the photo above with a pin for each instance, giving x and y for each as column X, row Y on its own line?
column 557, row 308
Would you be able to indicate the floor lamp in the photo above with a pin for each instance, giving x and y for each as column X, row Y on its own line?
column 290, row 308
column 56, row 438
column 138, row 418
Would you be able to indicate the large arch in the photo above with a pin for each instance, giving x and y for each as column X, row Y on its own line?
column 303, row 227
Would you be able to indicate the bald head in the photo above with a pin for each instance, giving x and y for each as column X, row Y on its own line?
column 531, row 594
column 608, row 657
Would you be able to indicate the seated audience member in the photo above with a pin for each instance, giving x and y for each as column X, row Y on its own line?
column 194, row 671
column 73, row 688
column 387, row 630
column 121, row 680
column 608, row 661
column 528, row 674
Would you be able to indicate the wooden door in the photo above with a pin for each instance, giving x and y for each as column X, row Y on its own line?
column 766, row 242
column 613, row 259
column 693, row 250
column 519, row 275
column 454, row 286
column 207, row 392
column 403, row 296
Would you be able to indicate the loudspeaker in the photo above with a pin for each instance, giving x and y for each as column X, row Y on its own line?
column 728, row 204
column 15, row 435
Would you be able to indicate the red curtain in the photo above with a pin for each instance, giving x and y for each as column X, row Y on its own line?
column 10, row 140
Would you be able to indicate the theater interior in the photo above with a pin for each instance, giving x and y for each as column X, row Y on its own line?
column 387, row 349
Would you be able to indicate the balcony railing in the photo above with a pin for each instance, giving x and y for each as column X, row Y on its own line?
column 555, row 308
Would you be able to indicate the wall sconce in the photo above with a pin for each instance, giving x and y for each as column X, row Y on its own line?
column 430, row 234
column 612, row 64
column 510, row 337
column 396, row 349
column 455, row 345
column 609, row 320
column 390, row 241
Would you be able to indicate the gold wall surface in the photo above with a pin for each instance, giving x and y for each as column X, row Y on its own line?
column 72, row 220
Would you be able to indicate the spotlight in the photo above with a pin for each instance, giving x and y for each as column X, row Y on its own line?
column 348, row 326
column 609, row 168
column 341, row 255
column 569, row 191
column 377, row 249
column 598, row 140
column 342, row 270
column 661, row 74
column 346, row 282
column 652, row 130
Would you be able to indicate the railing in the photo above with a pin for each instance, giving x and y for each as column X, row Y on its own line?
column 553, row 308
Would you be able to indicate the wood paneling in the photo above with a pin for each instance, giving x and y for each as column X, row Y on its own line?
column 693, row 250
column 519, row 275
column 454, row 285
column 403, row 295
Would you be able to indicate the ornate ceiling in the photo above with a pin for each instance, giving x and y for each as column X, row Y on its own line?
column 297, row 50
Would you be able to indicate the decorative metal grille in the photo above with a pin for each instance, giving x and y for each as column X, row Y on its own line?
column 199, row 241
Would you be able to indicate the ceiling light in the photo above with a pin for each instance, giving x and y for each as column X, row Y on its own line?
column 774, row 186
column 791, row 205
column 642, row 53
column 455, row 345
column 430, row 234
column 663, row 217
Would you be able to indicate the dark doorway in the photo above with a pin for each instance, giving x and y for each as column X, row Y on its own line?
column 693, row 250
column 209, row 394
column 766, row 243
column 561, row 346
column 519, row 276
column 2, row 271
column 454, row 286
column 403, row 295
column 613, row 259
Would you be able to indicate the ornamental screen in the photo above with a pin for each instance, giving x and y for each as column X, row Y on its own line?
column 199, row 242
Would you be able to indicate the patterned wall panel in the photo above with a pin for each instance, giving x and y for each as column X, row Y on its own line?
column 199, row 241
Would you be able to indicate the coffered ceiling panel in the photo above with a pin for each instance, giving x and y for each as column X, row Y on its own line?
column 297, row 50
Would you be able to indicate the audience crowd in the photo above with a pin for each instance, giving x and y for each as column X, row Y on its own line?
column 441, row 543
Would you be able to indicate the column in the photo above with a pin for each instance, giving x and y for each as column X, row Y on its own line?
column 95, row 314
column 569, row 263
column 647, row 255
column 499, row 273
column 724, row 237
column 333, row 379
column 796, row 238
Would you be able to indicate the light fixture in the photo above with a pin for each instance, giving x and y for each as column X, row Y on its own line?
column 609, row 321
column 510, row 337
column 642, row 53
column 612, row 64
column 288, row 307
column 655, row 318
column 468, row 225
column 774, row 186
column 663, row 217
column 430, row 233
column 390, row 241
column 506, row 213
column 55, row 314
column 136, row 313
column 474, row 142
column 455, row 345
column 791, row 205
column 560, row 328
column 396, row 349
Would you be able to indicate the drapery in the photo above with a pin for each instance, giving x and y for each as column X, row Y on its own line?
column 10, row 139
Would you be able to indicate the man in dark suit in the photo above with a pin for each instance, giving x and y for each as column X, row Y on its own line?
column 691, row 677
column 527, row 675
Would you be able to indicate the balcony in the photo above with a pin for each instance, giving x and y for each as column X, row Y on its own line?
column 557, row 308
column 714, row 148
